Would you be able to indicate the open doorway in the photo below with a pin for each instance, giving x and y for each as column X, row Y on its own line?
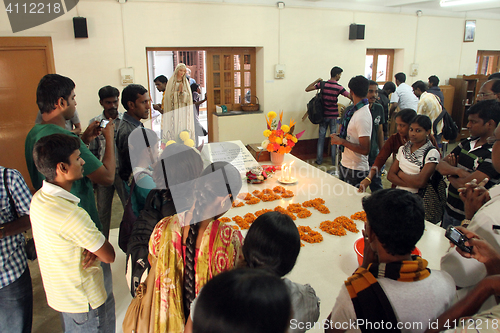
column 163, row 62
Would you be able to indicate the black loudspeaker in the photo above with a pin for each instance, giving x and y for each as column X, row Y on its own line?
column 80, row 27
column 356, row 31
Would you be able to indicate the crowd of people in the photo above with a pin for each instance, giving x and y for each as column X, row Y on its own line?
column 207, row 278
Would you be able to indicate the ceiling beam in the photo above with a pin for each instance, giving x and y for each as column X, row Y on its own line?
column 397, row 3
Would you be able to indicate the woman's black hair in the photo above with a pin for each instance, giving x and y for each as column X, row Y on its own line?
column 217, row 180
column 244, row 301
column 422, row 121
column 194, row 86
column 406, row 115
column 272, row 243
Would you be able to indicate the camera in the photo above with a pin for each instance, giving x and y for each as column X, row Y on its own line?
column 103, row 123
column 458, row 238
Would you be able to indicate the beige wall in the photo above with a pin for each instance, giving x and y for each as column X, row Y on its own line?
column 312, row 41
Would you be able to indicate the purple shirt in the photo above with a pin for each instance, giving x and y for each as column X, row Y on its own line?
column 330, row 92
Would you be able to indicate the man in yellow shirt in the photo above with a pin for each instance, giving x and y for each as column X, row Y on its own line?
column 429, row 105
column 64, row 236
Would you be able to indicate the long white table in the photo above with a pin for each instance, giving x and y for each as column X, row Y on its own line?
column 326, row 265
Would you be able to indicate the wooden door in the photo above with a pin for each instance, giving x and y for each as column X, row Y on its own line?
column 230, row 79
column 23, row 62
column 379, row 63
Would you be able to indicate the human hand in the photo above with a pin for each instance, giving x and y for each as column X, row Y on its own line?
column 88, row 259
column 369, row 255
column 335, row 139
column 474, row 196
column 451, row 159
column 180, row 87
column 157, row 107
column 92, row 131
column 109, row 130
column 482, row 251
column 363, row 185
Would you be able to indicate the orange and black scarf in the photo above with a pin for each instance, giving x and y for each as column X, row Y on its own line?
column 368, row 297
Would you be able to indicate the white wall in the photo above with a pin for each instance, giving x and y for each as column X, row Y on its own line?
column 312, row 41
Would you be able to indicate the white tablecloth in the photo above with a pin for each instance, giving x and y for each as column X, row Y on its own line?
column 325, row 265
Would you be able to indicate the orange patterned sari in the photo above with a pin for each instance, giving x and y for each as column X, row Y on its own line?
column 220, row 250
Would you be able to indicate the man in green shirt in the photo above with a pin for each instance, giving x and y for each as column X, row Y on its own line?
column 55, row 97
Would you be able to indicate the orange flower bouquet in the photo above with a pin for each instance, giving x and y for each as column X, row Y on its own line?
column 280, row 137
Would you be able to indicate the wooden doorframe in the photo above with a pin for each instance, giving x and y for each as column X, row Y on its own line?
column 31, row 43
column 209, row 71
column 390, row 62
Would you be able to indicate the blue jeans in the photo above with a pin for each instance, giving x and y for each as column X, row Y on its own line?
column 353, row 177
column 16, row 305
column 109, row 326
column 86, row 322
column 321, row 139
column 449, row 220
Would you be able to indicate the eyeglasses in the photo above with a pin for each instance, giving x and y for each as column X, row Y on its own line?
column 491, row 140
column 485, row 94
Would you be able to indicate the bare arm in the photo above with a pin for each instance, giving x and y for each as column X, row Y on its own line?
column 189, row 326
column 462, row 179
column 363, row 147
column 392, row 175
column 420, row 179
column 16, row 227
column 105, row 175
column 106, row 253
column 202, row 101
column 471, row 303
column 311, row 86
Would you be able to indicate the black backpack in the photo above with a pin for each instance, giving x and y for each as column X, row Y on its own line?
column 450, row 129
column 315, row 107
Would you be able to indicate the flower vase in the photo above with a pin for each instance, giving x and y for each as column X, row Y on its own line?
column 277, row 158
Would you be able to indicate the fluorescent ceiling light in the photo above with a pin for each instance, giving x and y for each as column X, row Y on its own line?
column 448, row 3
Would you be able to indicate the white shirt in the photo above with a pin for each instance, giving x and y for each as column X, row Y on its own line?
column 405, row 97
column 410, row 167
column 468, row 272
column 414, row 303
column 359, row 126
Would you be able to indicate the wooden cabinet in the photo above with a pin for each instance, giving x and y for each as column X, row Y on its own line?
column 466, row 89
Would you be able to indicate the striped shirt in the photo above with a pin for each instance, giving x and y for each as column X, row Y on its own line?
column 330, row 94
column 13, row 261
column 470, row 159
column 62, row 230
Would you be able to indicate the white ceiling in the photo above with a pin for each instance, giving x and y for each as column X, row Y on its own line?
column 480, row 9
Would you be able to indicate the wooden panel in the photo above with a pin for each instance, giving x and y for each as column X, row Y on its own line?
column 449, row 94
column 23, row 62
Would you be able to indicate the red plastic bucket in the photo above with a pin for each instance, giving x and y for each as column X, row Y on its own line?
column 359, row 247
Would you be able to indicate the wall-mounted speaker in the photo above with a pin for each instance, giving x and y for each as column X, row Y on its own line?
column 80, row 27
column 356, row 31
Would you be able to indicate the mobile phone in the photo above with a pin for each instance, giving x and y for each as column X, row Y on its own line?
column 457, row 238
column 103, row 123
